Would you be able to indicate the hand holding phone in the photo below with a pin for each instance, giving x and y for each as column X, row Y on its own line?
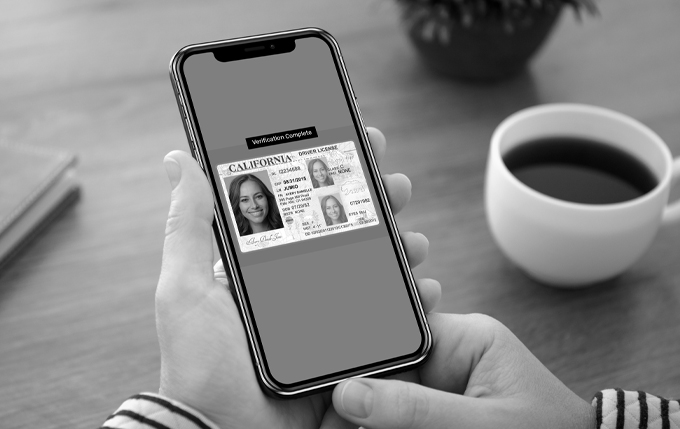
column 205, row 357
column 480, row 376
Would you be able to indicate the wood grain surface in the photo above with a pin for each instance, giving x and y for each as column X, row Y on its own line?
column 77, row 332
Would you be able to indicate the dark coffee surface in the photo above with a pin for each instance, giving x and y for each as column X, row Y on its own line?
column 579, row 170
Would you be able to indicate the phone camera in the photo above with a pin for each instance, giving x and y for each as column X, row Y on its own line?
column 271, row 46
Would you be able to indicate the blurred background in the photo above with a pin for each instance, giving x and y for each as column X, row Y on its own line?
column 77, row 332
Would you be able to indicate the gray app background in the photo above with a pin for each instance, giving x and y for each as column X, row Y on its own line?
column 324, row 305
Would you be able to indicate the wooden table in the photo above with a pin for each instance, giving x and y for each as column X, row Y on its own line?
column 77, row 333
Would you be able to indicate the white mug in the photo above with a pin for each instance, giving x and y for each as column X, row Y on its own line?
column 569, row 244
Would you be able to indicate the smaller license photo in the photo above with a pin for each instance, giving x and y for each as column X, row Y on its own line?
column 319, row 173
column 333, row 210
column 297, row 196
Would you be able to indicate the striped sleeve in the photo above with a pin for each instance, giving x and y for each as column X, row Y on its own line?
column 150, row 410
column 621, row 409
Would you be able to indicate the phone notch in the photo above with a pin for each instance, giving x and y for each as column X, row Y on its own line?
column 254, row 49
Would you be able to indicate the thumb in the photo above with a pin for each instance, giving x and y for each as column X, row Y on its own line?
column 393, row 404
column 188, row 251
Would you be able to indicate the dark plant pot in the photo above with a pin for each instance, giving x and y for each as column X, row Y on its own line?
column 486, row 51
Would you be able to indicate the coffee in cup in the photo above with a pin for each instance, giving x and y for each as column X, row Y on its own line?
column 575, row 194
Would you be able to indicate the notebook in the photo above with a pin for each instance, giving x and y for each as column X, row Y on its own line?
column 35, row 186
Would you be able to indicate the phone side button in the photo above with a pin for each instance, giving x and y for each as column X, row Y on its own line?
column 185, row 114
column 194, row 153
column 190, row 131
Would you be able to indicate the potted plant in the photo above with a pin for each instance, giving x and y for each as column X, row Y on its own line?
column 482, row 40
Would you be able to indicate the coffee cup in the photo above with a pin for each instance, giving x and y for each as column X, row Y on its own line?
column 566, row 230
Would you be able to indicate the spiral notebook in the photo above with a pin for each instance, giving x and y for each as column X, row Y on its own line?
column 35, row 186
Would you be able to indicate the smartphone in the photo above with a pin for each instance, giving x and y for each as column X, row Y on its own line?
column 302, row 220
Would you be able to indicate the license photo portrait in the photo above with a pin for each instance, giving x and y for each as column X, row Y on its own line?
column 333, row 210
column 252, row 203
column 319, row 173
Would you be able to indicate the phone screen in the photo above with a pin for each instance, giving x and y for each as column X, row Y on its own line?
column 308, row 232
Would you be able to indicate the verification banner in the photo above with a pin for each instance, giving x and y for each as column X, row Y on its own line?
column 297, row 195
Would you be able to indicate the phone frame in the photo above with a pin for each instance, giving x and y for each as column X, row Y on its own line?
column 225, row 244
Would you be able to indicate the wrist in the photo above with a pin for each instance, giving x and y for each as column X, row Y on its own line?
column 156, row 410
column 588, row 417
column 187, row 401
column 187, row 388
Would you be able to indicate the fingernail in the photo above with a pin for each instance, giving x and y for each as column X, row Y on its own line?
column 173, row 170
column 357, row 399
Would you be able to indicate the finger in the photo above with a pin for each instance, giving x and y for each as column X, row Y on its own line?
column 416, row 246
column 220, row 273
column 218, row 269
column 378, row 143
column 188, row 251
column 398, row 189
column 394, row 404
column 332, row 420
column 398, row 186
column 430, row 292
column 461, row 342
